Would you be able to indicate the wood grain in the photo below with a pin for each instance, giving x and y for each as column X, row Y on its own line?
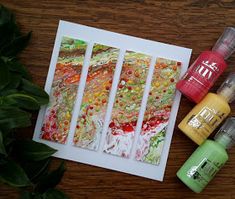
column 194, row 24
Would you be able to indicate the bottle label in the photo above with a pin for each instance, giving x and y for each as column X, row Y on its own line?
column 206, row 121
column 205, row 70
column 204, row 172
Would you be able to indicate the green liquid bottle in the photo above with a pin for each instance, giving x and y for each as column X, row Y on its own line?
column 208, row 158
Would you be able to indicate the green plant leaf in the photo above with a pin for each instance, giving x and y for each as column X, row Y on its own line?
column 38, row 196
column 2, row 147
column 26, row 195
column 2, row 161
column 8, row 92
column 14, row 81
column 4, row 75
column 32, row 88
column 8, row 140
column 16, row 66
column 54, row 194
column 50, row 180
column 8, row 27
column 6, row 102
column 40, row 100
column 34, row 91
column 31, row 150
column 5, row 15
column 16, row 45
column 12, row 174
column 12, row 117
column 23, row 101
column 36, row 169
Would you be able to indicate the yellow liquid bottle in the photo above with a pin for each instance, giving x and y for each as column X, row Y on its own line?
column 206, row 116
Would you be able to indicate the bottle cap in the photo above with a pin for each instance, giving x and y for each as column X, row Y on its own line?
column 226, row 134
column 227, row 89
column 225, row 45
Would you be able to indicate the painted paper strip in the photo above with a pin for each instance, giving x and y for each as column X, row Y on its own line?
column 127, row 104
column 156, row 118
column 64, row 90
column 95, row 98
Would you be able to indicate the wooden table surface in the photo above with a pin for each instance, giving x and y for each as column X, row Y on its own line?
column 194, row 24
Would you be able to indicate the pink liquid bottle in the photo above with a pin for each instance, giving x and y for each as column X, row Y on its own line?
column 203, row 73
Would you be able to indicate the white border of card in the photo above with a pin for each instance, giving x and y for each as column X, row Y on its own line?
column 123, row 42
